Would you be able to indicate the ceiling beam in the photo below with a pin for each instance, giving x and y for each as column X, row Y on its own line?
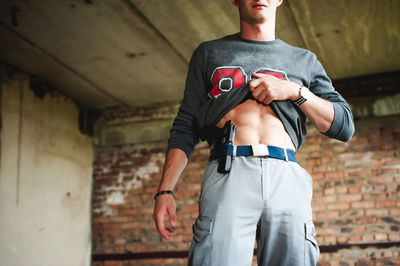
column 138, row 13
column 48, row 55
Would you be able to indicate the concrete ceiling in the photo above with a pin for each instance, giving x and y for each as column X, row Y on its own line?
column 135, row 52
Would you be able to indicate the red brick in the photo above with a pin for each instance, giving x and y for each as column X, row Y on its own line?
column 184, row 230
column 327, row 215
column 190, row 208
column 393, row 162
column 391, row 203
column 338, row 206
column 151, row 189
column 319, row 207
column 113, row 263
column 325, row 231
column 341, row 190
column 110, row 219
column 381, row 180
column 367, row 220
column 111, row 226
column 355, row 238
column 330, row 239
column 329, row 198
column 375, row 196
column 193, row 165
column 354, row 190
column 363, row 204
column 394, row 212
column 336, row 175
column 368, row 238
column 131, row 225
column 193, row 179
column 189, row 187
column 395, row 237
column 347, row 198
column 147, row 197
column 392, row 187
column 120, row 241
column 329, row 191
column 342, row 239
column 317, row 176
column 359, row 229
column 352, row 212
column 322, row 169
column 377, row 212
column 381, row 237
column 110, row 233
column 372, row 164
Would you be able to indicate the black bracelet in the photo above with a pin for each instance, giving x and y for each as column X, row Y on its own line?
column 162, row 192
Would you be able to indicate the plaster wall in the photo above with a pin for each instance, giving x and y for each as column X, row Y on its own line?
column 45, row 178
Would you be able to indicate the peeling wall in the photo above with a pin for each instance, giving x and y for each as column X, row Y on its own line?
column 130, row 174
column 45, row 178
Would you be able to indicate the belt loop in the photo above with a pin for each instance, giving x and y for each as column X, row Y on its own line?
column 286, row 156
column 234, row 151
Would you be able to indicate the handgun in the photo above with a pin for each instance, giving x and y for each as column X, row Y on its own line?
column 228, row 137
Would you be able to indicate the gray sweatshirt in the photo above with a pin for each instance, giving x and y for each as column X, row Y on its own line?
column 217, row 81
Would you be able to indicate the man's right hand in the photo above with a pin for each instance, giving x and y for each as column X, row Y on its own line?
column 165, row 205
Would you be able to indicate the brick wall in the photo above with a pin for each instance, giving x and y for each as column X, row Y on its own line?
column 356, row 191
column 356, row 184
column 356, row 198
column 125, row 183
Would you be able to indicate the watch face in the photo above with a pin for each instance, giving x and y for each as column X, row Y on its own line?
column 304, row 92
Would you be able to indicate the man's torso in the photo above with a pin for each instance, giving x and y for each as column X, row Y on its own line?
column 229, row 68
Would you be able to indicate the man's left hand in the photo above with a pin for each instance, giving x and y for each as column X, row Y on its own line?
column 267, row 88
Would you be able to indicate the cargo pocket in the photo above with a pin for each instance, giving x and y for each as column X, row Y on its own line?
column 201, row 244
column 311, row 249
column 211, row 178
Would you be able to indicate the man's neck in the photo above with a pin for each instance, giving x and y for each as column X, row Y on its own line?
column 258, row 32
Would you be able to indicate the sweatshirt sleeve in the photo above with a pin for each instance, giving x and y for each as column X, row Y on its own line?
column 342, row 127
column 184, row 133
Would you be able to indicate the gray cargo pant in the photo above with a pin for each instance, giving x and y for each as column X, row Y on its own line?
column 261, row 198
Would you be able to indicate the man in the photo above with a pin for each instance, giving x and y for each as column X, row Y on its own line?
column 267, row 88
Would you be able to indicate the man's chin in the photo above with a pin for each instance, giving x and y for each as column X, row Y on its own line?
column 255, row 17
column 257, row 20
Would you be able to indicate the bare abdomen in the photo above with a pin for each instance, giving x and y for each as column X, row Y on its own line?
column 257, row 124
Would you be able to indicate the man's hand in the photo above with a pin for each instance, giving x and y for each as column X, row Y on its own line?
column 267, row 88
column 165, row 205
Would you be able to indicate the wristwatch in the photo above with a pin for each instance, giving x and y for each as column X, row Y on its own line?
column 304, row 95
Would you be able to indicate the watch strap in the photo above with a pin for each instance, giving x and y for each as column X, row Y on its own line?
column 300, row 101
